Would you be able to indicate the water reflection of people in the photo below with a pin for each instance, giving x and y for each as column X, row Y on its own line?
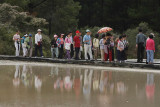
column 77, row 82
column 103, row 81
column 24, row 76
column 121, row 88
column 16, row 80
column 67, row 80
column 54, row 71
column 150, row 87
column 87, row 82
column 37, row 82
column 96, row 77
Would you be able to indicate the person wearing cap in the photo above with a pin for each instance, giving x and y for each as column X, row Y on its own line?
column 16, row 39
column 87, row 45
column 38, row 43
column 24, row 45
column 77, row 44
column 54, row 46
column 60, row 42
column 29, row 45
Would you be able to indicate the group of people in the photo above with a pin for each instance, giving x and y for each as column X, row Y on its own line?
column 70, row 47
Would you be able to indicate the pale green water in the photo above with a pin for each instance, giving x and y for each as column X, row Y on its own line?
column 37, row 86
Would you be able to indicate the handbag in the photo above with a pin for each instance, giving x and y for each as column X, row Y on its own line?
column 67, row 46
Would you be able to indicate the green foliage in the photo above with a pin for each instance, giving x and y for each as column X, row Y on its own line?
column 131, row 33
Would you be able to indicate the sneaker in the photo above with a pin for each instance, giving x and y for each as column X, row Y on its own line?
column 35, row 56
column 42, row 56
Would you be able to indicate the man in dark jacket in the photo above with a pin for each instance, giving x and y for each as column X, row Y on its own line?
column 54, row 47
column 140, row 44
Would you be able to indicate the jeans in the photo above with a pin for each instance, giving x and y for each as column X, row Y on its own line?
column 54, row 51
column 38, row 48
column 150, row 56
column 77, row 52
column 61, row 51
column 87, row 49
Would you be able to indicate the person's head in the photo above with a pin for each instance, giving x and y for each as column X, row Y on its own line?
column 80, row 34
column 140, row 30
column 108, row 35
column 88, row 32
column 151, row 36
column 103, row 36
column 39, row 31
column 25, row 35
column 18, row 32
column 96, row 35
column 77, row 33
column 55, row 37
column 124, row 36
column 121, row 38
column 30, row 35
column 62, row 35
column 70, row 33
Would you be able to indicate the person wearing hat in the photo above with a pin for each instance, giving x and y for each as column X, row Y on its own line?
column 16, row 39
column 24, row 45
column 38, row 43
column 87, row 45
column 29, row 45
column 54, row 46
column 77, row 44
column 60, row 42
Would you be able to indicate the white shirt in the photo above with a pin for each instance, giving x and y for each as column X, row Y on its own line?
column 38, row 38
column 120, row 45
column 16, row 37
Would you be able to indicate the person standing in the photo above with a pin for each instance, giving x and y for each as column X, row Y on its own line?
column 60, row 42
column 54, row 47
column 125, row 42
column 81, row 47
column 16, row 39
column 140, row 44
column 72, row 46
column 87, row 45
column 29, row 45
column 96, row 46
column 38, row 43
column 24, row 48
column 101, row 43
column 68, row 41
column 150, row 48
column 77, row 44
column 120, row 49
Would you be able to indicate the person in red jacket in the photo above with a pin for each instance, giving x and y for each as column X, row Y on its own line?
column 150, row 48
column 77, row 44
